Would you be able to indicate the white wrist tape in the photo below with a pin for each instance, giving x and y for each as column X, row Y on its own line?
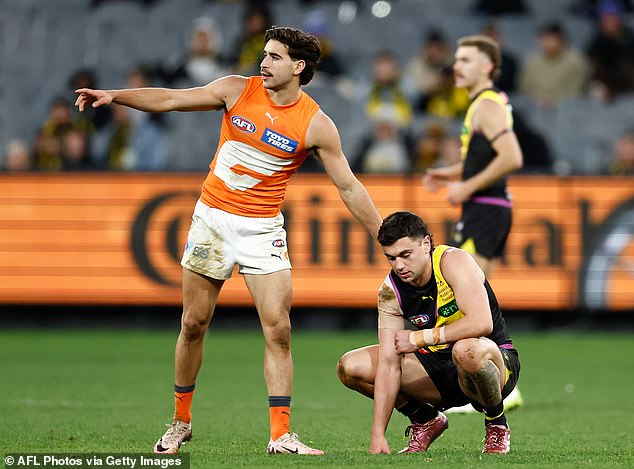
column 433, row 336
column 412, row 339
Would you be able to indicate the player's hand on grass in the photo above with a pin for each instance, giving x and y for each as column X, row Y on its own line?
column 95, row 98
column 379, row 445
column 402, row 343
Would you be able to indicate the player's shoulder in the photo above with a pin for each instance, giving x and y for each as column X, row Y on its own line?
column 491, row 99
column 489, row 109
column 453, row 252
column 322, row 130
column 456, row 263
column 452, row 257
column 230, row 84
column 387, row 291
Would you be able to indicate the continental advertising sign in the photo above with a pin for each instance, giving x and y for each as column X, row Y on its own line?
column 118, row 239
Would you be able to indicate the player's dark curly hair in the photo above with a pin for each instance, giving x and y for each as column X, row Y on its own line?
column 301, row 46
column 403, row 225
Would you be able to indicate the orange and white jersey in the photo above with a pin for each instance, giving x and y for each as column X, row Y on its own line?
column 261, row 145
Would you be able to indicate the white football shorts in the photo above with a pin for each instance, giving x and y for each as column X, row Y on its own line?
column 218, row 240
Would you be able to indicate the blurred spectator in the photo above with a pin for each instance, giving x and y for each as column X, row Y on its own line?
column 134, row 140
column 46, row 152
column 445, row 100
column 611, row 53
column 386, row 99
column 247, row 53
column 507, row 79
column 93, row 118
column 75, row 151
column 202, row 62
column 385, row 150
column 48, row 142
column 499, row 7
column 131, row 142
column 555, row 72
column 423, row 71
column 622, row 162
column 429, row 147
column 17, row 156
column 588, row 8
column 449, row 152
column 329, row 65
column 145, row 3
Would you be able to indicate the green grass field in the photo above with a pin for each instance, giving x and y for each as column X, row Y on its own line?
column 111, row 391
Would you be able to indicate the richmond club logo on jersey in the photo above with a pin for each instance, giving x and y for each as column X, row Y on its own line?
column 245, row 125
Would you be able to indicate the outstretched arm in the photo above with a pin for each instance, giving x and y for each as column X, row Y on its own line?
column 219, row 94
column 323, row 137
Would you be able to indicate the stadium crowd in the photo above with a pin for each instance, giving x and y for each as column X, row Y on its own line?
column 573, row 94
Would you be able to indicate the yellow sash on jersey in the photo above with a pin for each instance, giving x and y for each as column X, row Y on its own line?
column 446, row 305
column 467, row 126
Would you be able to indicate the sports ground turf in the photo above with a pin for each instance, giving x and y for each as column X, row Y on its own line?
column 110, row 391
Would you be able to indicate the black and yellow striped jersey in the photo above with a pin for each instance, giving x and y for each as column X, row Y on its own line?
column 477, row 152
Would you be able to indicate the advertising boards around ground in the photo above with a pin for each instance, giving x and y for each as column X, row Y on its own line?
column 117, row 239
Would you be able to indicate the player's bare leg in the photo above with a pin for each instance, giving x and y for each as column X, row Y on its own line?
column 513, row 400
column 357, row 370
column 271, row 294
column 199, row 299
column 481, row 374
column 200, row 294
column 272, row 297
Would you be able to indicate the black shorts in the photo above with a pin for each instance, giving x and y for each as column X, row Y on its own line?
column 483, row 228
column 444, row 374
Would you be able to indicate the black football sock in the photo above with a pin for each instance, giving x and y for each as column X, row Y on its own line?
column 418, row 412
column 495, row 415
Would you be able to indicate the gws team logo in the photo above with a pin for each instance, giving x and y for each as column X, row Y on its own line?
column 279, row 243
column 419, row 320
column 243, row 124
column 276, row 140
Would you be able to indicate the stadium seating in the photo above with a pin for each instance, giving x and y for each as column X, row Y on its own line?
column 43, row 42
